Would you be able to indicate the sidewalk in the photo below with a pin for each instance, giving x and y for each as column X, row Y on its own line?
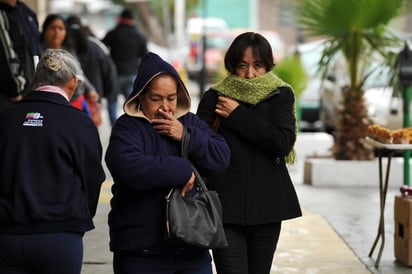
column 307, row 245
column 310, row 245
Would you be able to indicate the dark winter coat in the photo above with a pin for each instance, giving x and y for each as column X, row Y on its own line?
column 256, row 188
column 19, row 35
column 50, row 166
column 146, row 165
column 99, row 68
column 127, row 47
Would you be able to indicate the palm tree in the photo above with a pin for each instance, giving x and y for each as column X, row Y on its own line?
column 358, row 30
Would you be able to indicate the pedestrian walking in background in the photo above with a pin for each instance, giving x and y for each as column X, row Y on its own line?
column 127, row 46
column 54, row 35
column 19, row 50
column 51, row 173
column 257, row 118
column 96, row 63
column 145, row 162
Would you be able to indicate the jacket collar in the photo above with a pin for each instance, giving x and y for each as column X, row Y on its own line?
column 37, row 95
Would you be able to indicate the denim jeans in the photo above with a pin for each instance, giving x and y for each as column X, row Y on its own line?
column 250, row 250
column 123, row 87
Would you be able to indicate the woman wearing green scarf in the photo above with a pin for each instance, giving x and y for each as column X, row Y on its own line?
column 257, row 118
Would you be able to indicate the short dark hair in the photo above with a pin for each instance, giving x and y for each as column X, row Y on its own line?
column 127, row 13
column 260, row 46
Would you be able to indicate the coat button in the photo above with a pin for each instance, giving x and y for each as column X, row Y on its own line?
column 276, row 161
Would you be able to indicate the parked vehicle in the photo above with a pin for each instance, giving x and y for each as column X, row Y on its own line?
column 321, row 99
column 216, row 35
column 309, row 103
column 310, row 99
column 385, row 107
column 217, row 41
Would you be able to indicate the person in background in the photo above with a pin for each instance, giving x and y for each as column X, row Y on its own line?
column 257, row 118
column 51, row 173
column 19, row 50
column 144, row 159
column 54, row 36
column 96, row 63
column 127, row 46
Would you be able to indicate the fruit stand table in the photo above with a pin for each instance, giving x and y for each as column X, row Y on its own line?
column 390, row 149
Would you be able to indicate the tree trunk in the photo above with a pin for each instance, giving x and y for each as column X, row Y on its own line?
column 352, row 128
column 151, row 24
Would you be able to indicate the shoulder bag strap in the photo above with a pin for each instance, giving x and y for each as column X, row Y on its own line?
column 185, row 153
column 185, row 143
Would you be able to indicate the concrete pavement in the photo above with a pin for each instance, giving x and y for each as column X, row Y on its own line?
column 334, row 235
column 307, row 245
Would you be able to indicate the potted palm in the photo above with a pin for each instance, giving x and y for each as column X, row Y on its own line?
column 359, row 31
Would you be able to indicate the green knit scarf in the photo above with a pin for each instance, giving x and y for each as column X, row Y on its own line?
column 253, row 91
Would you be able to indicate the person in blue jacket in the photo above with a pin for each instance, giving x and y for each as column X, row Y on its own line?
column 144, row 159
column 50, row 173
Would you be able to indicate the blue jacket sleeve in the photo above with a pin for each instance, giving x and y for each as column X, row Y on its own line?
column 208, row 150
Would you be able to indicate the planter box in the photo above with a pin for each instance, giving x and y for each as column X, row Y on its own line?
column 331, row 172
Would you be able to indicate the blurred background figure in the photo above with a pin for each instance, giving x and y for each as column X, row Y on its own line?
column 54, row 36
column 96, row 63
column 19, row 49
column 127, row 46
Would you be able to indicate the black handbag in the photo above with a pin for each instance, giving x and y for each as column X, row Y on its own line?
column 194, row 220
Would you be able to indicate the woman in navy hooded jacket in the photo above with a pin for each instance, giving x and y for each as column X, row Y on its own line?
column 144, row 159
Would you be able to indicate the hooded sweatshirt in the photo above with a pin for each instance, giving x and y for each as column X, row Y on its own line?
column 146, row 165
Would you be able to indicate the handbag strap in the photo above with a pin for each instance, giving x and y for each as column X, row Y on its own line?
column 199, row 179
column 185, row 153
column 185, row 143
column 216, row 123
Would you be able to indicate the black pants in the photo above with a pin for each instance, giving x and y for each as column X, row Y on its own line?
column 250, row 251
column 178, row 263
column 50, row 253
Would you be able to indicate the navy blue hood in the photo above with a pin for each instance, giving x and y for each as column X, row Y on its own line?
column 150, row 67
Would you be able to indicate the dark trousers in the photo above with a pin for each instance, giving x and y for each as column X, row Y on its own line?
column 124, row 87
column 49, row 253
column 179, row 263
column 250, row 251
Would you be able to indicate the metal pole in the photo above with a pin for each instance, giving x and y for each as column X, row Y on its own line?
column 406, row 123
column 167, row 24
column 180, row 16
column 202, row 73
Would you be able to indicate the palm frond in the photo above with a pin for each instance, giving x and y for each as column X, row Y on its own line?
column 339, row 17
column 356, row 28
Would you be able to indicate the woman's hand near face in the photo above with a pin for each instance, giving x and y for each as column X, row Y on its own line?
column 225, row 106
column 168, row 125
